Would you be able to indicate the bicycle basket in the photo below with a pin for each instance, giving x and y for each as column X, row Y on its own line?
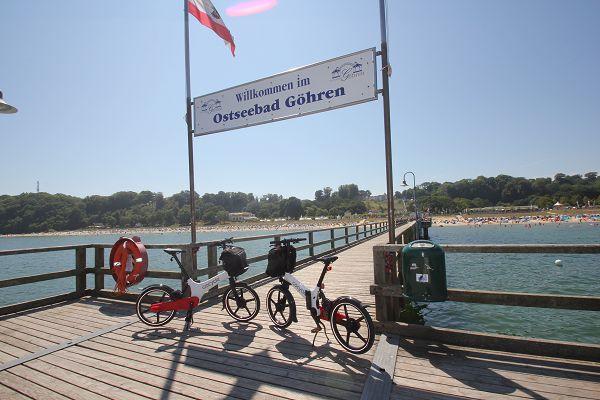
column 234, row 260
column 281, row 259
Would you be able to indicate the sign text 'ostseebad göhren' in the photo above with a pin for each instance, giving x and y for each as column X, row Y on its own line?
column 335, row 83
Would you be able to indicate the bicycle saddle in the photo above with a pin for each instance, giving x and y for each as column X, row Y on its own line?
column 172, row 252
column 327, row 260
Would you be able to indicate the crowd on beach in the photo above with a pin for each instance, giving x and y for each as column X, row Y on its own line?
column 529, row 220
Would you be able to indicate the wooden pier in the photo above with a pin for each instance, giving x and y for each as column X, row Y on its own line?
column 94, row 348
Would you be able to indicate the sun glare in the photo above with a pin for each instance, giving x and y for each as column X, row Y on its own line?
column 250, row 7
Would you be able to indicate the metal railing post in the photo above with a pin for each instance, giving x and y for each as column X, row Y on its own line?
column 311, row 241
column 346, row 233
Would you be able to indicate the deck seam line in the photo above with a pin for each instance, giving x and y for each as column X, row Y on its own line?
column 64, row 345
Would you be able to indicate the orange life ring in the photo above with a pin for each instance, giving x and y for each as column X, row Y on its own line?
column 128, row 262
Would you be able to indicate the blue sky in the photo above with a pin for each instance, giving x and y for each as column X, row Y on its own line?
column 479, row 87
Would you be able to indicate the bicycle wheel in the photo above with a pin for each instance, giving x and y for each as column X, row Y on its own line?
column 147, row 298
column 281, row 306
column 247, row 305
column 352, row 325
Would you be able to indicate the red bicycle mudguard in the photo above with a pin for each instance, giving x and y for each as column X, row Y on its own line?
column 175, row 305
column 128, row 262
column 339, row 317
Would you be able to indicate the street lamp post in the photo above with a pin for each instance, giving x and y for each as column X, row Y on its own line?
column 6, row 108
column 414, row 196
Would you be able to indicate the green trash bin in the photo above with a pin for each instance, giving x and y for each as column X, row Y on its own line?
column 424, row 271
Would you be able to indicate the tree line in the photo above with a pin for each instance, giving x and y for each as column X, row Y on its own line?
column 504, row 190
column 43, row 212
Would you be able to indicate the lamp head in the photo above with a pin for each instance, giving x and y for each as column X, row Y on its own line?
column 404, row 182
column 6, row 108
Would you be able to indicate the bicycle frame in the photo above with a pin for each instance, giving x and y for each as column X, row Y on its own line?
column 311, row 296
column 196, row 289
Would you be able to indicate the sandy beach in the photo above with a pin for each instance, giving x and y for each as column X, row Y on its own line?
column 528, row 220
column 266, row 226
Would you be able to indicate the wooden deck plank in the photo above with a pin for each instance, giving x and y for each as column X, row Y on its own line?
column 516, row 363
column 248, row 367
column 475, row 373
column 227, row 384
column 59, row 371
column 160, row 383
column 323, row 357
column 61, row 386
column 10, row 394
column 31, row 336
column 498, row 375
column 14, row 351
column 146, row 387
column 27, row 387
column 6, row 340
column 195, row 357
column 51, row 331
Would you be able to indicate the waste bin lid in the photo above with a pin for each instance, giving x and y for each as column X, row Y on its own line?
column 422, row 244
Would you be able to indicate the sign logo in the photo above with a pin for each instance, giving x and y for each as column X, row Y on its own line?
column 210, row 106
column 347, row 70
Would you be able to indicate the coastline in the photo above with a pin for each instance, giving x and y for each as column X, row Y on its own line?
column 529, row 221
column 274, row 226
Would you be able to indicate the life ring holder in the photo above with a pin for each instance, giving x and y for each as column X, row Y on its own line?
column 128, row 262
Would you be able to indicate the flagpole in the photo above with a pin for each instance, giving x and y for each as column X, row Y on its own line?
column 188, row 121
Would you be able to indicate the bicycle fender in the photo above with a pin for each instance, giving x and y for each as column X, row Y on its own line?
column 334, row 302
column 167, row 288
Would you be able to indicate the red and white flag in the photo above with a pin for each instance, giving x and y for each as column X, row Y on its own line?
column 207, row 14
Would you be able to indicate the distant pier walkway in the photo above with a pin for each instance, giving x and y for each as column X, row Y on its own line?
column 93, row 348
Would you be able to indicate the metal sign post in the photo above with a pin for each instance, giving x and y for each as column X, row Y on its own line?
column 385, row 72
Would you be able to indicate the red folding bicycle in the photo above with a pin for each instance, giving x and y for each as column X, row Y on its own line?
column 158, row 304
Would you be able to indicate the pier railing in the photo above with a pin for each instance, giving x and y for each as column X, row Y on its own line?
column 389, row 298
column 350, row 236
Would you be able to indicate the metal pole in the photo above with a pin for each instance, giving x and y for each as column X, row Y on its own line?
column 188, row 121
column 387, row 124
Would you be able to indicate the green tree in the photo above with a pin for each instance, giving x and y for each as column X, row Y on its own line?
column 292, row 208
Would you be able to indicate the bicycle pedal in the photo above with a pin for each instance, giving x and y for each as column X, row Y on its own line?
column 316, row 330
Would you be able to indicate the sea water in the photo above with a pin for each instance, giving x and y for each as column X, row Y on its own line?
column 579, row 275
column 38, row 263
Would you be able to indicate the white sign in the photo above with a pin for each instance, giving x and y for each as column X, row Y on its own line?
column 335, row 83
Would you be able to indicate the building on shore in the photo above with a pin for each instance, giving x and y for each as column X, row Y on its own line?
column 242, row 217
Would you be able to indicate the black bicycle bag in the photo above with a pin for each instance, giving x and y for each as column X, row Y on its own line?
column 234, row 260
column 281, row 259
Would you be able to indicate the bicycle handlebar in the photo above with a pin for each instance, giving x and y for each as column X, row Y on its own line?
column 285, row 242
column 223, row 242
